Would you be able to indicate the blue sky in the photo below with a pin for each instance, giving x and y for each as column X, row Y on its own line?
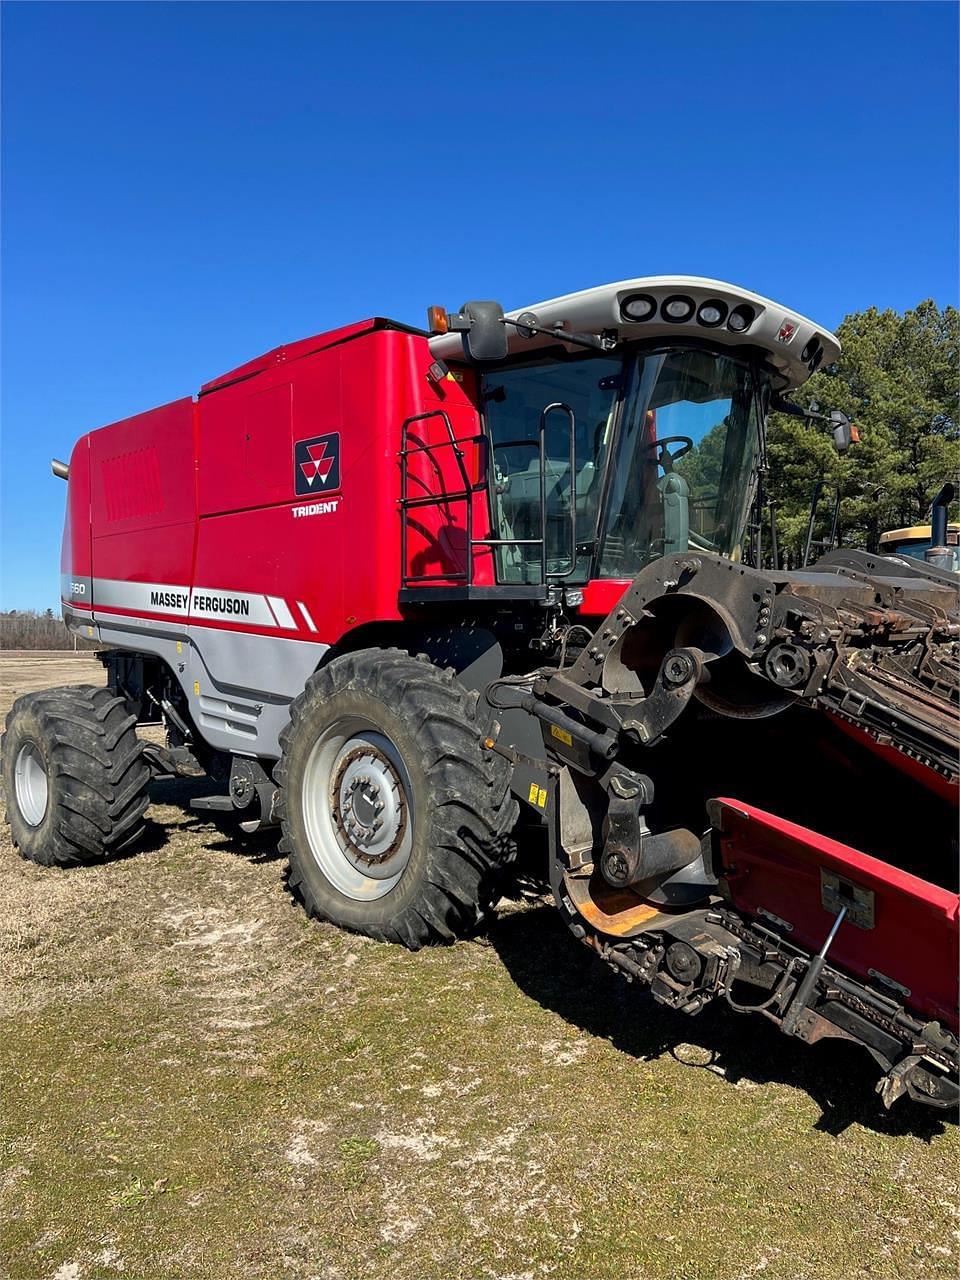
column 186, row 185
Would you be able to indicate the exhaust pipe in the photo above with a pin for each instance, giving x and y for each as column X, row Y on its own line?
column 60, row 469
column 938, row 553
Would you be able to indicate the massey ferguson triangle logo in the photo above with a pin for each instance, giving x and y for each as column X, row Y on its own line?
column 316, row 464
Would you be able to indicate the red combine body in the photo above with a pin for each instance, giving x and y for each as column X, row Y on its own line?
column 268, row 490
column 404, row 593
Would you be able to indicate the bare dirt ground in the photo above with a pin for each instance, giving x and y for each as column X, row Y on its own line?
column 199, row 1082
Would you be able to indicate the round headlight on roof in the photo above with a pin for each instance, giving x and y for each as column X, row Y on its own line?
column 712, row 313
column 741, row 318
column 677, row 309
column 639, row 306
column 811, row 349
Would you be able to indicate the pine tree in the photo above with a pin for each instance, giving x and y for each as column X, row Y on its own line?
column 898, row 380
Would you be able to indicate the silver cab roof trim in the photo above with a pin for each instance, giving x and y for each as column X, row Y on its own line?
column 783, row 333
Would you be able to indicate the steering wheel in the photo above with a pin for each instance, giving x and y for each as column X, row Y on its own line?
column 666, row 459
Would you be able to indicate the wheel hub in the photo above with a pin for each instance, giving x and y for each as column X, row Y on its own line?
column 367, row 803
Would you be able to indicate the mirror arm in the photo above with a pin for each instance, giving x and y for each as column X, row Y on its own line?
column 527, row 326
column 463, row 323
column 779, row 405
column 459, row 324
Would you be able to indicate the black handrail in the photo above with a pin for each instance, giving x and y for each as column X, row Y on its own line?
column 466, row 494
column 572, row 423
column 407, row 503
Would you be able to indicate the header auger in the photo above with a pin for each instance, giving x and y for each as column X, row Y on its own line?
column 403, row 592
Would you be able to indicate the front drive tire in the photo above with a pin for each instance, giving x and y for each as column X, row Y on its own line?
column 396, row 820
column 74, row 776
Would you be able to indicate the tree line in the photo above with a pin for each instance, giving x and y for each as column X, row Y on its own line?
column 36, row 629
column 897, row 379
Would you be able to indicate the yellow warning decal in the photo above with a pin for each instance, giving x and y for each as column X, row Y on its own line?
column 537, row 795
column 561, row 735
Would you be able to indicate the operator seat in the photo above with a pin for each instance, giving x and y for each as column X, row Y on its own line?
column 675, row 498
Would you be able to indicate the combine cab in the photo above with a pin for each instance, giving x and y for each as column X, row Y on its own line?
column 404, row 593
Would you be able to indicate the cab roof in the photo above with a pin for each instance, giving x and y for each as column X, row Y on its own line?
column 795, row 345
column 913, row 533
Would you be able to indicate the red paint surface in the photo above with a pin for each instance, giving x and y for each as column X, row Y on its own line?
column 202, row 493
column 292, row 351
column 75, row 554
column 143, row 496
column 771, row 863
column 600, row 595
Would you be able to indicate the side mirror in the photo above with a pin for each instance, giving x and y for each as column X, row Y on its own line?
column 484, row 334
column 481, row 326
column 844, row 432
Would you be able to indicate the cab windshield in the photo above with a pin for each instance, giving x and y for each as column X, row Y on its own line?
column 664, row 459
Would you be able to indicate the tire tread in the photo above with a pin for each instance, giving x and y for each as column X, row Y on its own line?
column 472, row 810
column 99, row 775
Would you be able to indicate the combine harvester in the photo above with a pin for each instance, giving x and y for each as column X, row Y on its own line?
column 405, row 592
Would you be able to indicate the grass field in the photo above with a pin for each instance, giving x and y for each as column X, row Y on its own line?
column 199, row 1082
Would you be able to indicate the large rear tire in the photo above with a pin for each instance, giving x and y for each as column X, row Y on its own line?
column 396, row 819
column 74, row 776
